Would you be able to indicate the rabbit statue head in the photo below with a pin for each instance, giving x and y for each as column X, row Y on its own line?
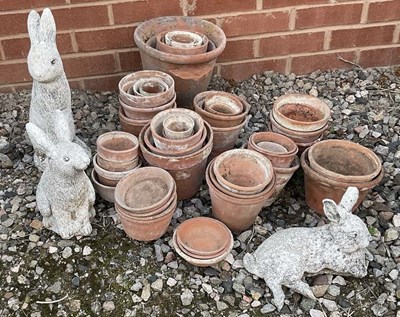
column 44, row 61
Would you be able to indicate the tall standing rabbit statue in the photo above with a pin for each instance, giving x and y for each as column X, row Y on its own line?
column 339, row 246
column 50, row 91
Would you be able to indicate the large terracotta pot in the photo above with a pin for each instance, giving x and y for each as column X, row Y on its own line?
column 319, row 186
column 192, row 73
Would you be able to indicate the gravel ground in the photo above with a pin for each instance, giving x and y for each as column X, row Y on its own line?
column 108, row 274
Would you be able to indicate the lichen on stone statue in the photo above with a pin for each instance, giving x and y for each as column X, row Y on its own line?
column 338, row 247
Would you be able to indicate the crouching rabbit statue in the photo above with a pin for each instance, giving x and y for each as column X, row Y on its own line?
column 339, row 246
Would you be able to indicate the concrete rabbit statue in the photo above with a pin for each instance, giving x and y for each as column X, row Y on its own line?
column 65, row 195
column 339, row 246
column 50, row 91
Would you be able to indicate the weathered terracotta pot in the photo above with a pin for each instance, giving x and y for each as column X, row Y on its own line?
column 149, row 228
column 319, row 186
column 151, row 101
column 178, row 127
column 219, row 121
column 243, row 171
column 192, row 73
column 193, row 50
column 129, row 125
column 117, row 166
column 282, row 158
column 344, row 161
column 225, row 138
column 187, row 170
column 105, row 192
column 301, row 112
column 223, row 103
column 117, row 146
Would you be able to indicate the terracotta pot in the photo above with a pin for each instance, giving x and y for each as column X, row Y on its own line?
column 163, row 143
column 223, row 103
column 129, row 125
column 187, row 170
column 161, row 46
column 117, row 146
column 301, row 112
column 192, row 73
column 215, row 120
column 178, row 127
column 105, row 192
column 110, row 178
column 344, row 161
column 148, row 87
column 145, row 113
column 283, row 158
column 117, row 166
column 319, row 186
column 202, row 262
column 225, row 138
column 243, row 171
column 150, row 228
column 152, row 101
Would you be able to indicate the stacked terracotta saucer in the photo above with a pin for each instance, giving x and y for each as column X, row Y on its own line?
column 142, row 95
column 145, row 201
column 240, row 182
column 203, row 241
column 300, row 117
column 226, row 113
column 117, row 155
column 179, row 141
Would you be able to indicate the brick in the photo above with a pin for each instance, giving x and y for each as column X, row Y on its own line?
column 130, row 61
column 220, row 6
column 89, row 65
column 81, row 17
column 256, row 23
column 13, row 23
column 291, row 44
column 19, row 48
column 109, row 83
column 269, row 4
column 14, row 73
column 137, row 11
column 237, row 50
column 384, row 11
column 8, row 5
column 5, row 90
column 105, row 39
column 329, row 15
column 380, row 57
column 369, row 36
column 310, row 63
column 242, row 71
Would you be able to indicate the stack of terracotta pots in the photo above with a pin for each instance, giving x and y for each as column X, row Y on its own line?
column 331, row 166
column 281, row 151
column 117, row 155
column 302, row 118
column 142, row 95
column 226, row 113
column 240, row 182
column 179, row 141
column 145, row 201
column 203, row 241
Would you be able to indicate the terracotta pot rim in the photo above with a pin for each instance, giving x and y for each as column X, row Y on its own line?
column 286, row 142
column 310, row 101
column 142, row 31
column 178, row 135
column 296, row 133
column 224, row 130
column 130, row 121
column 290, row 169
column 111, row 175
column 235, row 100
column 163, row 47
column 150, row 111
column 115, row 166
column 109, row 155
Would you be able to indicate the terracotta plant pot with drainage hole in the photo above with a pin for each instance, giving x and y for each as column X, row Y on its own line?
column 194, row 50
column 319, row 186
column 344, row 161
column 279, row 149
column 105, row 192
column 178, row 127
column 187, row 170
column 301, row 112
column 223, row 103
column 153, row 100
column 243, row 171
column 191, row 73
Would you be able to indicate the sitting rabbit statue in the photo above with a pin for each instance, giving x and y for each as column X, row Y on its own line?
column 64, row 195
column 339, row 246
column 50, row 90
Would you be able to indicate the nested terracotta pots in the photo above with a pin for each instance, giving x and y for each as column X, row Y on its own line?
column 191, row 73
column 178, row 127
column 105, row 192
column 181, row 42
column 223, row 103
column 319, row 186
column 280, row 150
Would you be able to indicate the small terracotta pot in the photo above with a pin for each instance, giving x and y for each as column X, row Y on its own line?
column 319, row 186
column 301, row 112
column 225, row 138
column 243, row 171
column 150, row 228
column 344, row 161
column 178, row 127
column 147, row 87
column 215, row 120
column 187, row 170
column 281, row 159
column 223, row 103
column 117, row 146
column 105, row 192
column 129, row 125
column 117, row 166
column 161, row 46
column 125, row 87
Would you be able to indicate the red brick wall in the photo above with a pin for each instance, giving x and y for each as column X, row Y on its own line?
column 96, row 43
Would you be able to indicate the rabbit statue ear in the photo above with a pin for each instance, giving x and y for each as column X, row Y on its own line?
column 48, row 27
column 34, row 27
column 349, row 198
column 38, row 138
column 331, row 210
column 62, row 128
